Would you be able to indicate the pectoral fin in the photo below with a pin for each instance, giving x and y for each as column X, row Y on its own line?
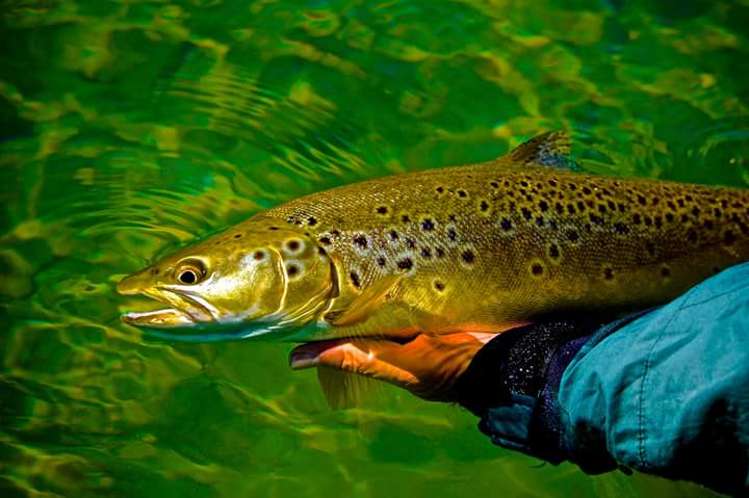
column 551, row 149
column 343, row 389
column 364, row 304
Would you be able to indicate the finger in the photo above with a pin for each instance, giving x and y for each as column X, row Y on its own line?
column 360, row 357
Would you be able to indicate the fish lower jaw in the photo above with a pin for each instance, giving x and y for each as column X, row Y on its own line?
column 164, row 318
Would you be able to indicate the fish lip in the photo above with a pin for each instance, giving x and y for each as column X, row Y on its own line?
column 183, row 307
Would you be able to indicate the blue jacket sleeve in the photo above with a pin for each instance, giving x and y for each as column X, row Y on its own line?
column 665, row 392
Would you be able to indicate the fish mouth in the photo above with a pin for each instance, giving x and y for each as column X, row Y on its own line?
column 184, row 309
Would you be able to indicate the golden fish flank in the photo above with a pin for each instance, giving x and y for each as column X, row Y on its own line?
column 475, row 247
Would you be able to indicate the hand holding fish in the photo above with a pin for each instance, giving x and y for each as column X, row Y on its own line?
column 428, row 366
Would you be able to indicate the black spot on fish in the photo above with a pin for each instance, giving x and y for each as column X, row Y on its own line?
column 642, row 200
column 293, row 245
column 506, row 224
column 381, row 261
column 325, row 240
column 540, row 221
column 410, row 243
column 273, row 228
column 405, row 264
column 462, row 194
column 543, row 206
column 718, row 213
column 552, row 182
column 258, row 255
column 468, row 256
column 427, row 225
column 335, row 233
column 587, row 191
column 439, row 252
column 483, row 206
column 554, row 251
column 237, row 235
column 595, row 219
column 321, row 251
column 361, row 241
column 608, row 273
column 648, row 220
column 559, row 208
column 669, row 217
column 537, row 269
column 381, row 210
column 426, row 252
column 527, row 214
column 440, row 190
column 355, row 279
column 311, row 221
column 573, row 236
column 393, row 235
column 292, row 270
column 494, row 184
column 439, row 286
column 155, row 271
column 621, row 228
column 452, row 234
column 571, row 208
column 405, row 218
column 665, row 271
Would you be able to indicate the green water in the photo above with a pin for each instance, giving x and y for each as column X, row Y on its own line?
column 129, row 128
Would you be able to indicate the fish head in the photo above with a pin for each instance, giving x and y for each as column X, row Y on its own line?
column 259, row 276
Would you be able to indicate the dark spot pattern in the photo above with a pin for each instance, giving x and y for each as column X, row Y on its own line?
column 405, row 264
column 355, row 279
column 468, row 256
column 361, row 241
column 427, row 225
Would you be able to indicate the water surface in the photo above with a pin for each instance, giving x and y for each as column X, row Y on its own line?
column 129, row 128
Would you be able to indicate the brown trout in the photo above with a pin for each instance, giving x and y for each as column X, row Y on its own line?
column 470, row 248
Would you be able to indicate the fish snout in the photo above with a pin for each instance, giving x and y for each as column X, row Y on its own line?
column 130, row 285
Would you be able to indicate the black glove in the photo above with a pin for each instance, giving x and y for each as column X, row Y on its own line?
column 518, row 372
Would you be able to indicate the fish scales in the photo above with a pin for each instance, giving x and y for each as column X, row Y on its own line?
column 487, row 244
column 477, row 247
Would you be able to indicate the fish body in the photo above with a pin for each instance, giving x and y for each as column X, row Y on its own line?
column 479, row 247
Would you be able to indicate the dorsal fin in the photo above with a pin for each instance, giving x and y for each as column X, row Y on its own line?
column 551, row 149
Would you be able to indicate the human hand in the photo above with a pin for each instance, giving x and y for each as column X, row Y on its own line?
column 428, row 365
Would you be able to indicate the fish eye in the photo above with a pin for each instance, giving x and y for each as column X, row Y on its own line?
column 191, row 272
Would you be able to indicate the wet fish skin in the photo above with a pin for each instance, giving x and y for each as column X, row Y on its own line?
column 481, row 247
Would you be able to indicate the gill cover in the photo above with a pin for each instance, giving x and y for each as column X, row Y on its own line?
column 253, row 279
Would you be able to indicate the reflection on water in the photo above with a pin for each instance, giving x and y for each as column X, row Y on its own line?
column 128, row 128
